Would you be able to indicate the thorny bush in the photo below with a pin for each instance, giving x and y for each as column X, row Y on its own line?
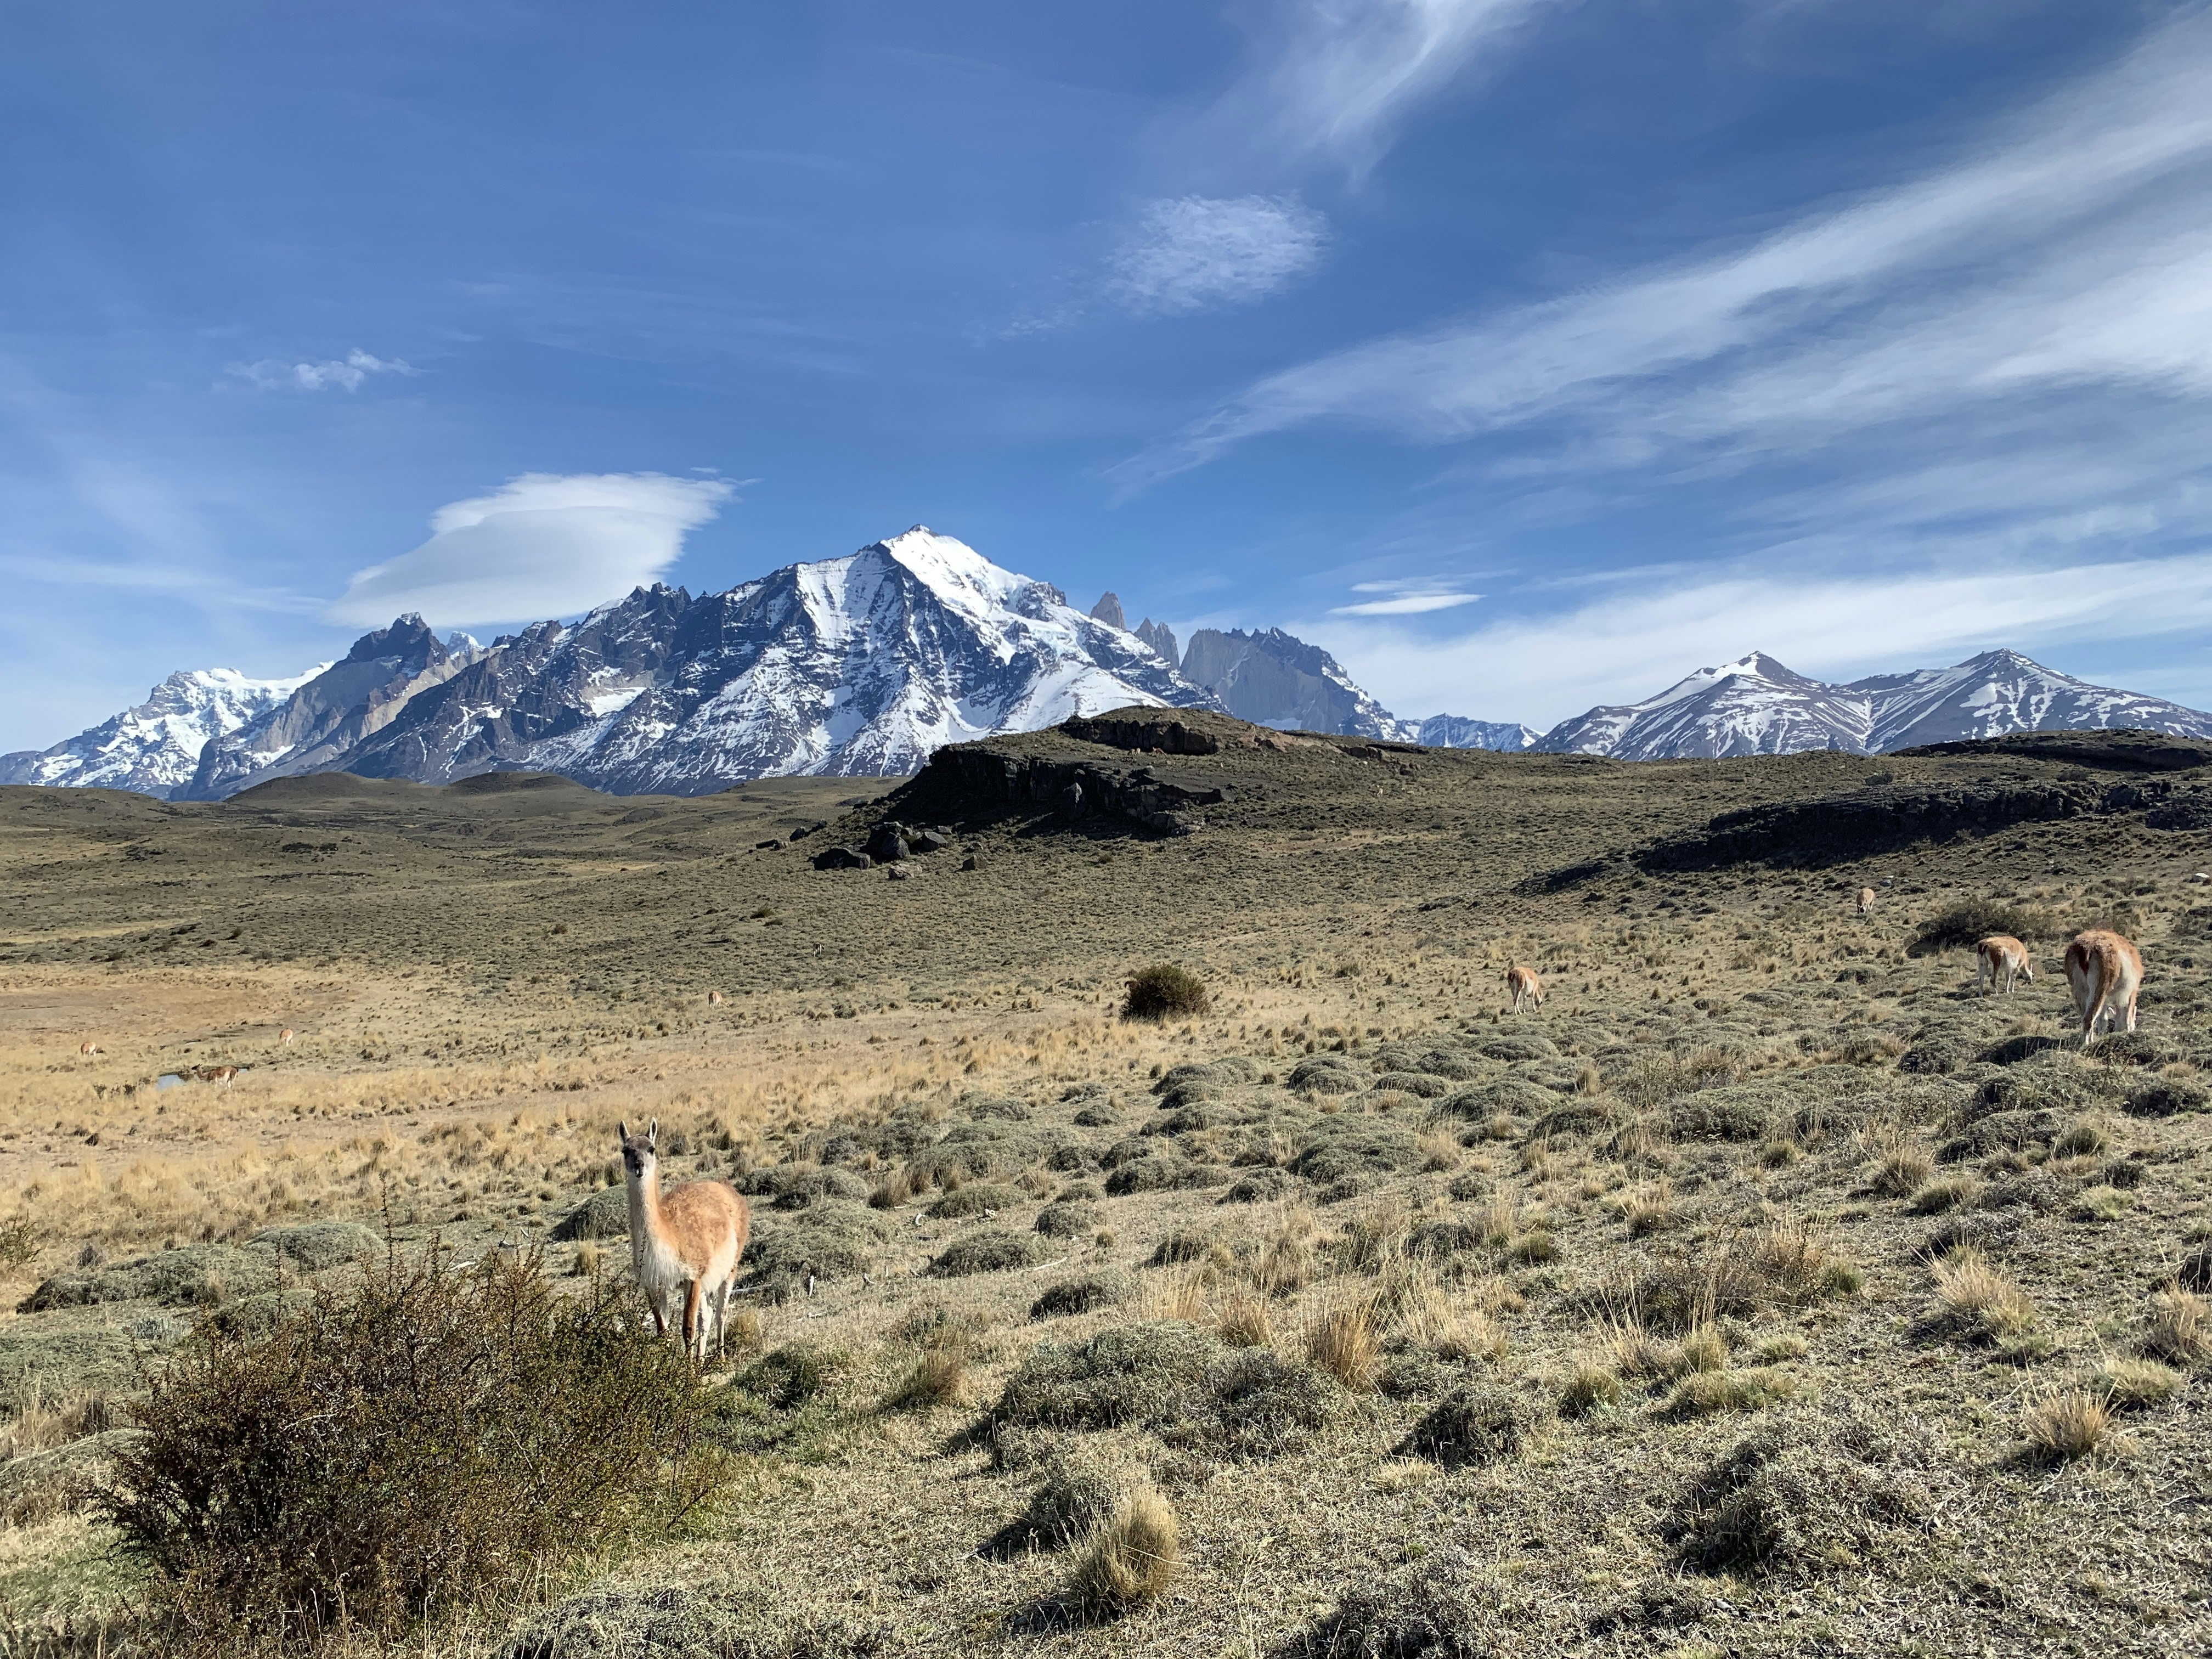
column 437, row 1437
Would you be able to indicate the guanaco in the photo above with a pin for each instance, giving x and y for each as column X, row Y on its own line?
column 684, row 1244
column 220, row 1076
column 714, row 996
column 1866, row 901
column 2004, row 959
column 2106, row 974
column 88, row 1047
column 1520, row 980
column 284, row 1035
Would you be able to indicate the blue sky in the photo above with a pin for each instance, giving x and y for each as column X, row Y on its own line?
column 1527, row 353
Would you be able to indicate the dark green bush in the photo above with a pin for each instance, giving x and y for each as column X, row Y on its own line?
column 1963, row 927
column 992, row 1250
column 428, row 1440
column 1080, row 1294
column 1164, row 991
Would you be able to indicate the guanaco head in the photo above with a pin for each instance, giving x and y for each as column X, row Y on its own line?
column 641, row 1153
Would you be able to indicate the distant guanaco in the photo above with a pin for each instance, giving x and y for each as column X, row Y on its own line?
column 2106, row 974
column 684, row 1245
column 284, row 1035
column 1866, row 901
column 2004, row 959
column 88, row 1047
column 221, row 1076
column 714, row 996
column 1520, row 980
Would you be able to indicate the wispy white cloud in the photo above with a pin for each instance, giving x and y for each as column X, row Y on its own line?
column 1338, row 77
column 543, row 545
column 1629, row 645
column 1190, row 251
column 348, row 373
column 2068, row 251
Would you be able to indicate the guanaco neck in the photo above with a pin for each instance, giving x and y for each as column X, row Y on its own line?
column 645, row 1205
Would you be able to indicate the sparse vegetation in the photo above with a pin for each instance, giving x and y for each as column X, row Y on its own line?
column 1647, row 1211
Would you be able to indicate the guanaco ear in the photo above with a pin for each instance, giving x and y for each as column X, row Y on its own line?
column 623, row 1129
column 653, row 1133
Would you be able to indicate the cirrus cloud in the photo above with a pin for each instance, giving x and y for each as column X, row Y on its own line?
column 543, row 545
column 1190, row 251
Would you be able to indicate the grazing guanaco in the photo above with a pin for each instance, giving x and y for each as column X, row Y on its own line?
column 2004, row 959
column 284, row 1035
column 221, row 1076
column 684, row 1244
column 1866, row 901
column 2106, row 974
column 714, row 996
column 88, row 1047
column 1520, row 980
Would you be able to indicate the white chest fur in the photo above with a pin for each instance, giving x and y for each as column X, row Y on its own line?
column 660, row 1270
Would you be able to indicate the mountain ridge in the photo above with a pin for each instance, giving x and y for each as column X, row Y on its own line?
column 1757, row 706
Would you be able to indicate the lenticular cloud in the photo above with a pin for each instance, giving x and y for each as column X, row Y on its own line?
column 543, row 545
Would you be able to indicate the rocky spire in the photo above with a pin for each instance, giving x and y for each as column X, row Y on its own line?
column 1109, row 610
column 1162, row 639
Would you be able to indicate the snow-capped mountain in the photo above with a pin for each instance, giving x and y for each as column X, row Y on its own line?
column 1458, row 731
column 1274, row 678
column 154, row 747
column 332, row 711
column 1756, row 706
column 856, row 666
column 2003, row 691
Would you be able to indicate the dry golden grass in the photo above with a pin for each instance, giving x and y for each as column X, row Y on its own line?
column 1977, row 1298
column 1129, row 1562
column 2070, row 1423
column 1246, row 1323
column 2180, row 1327
column 1345, row 1339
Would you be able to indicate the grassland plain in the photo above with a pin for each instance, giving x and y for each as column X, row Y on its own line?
column 1768, row 1291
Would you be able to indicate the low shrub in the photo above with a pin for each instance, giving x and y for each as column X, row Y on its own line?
column 1806, row 1492
column 1164, row 991
column 992, row 1250
column 1080, row 1294
column 1703, row 1394
column 1437, row 1608
column 1066, row 1218
column 431, row 1439
column 1962, row 927
column 973, row 1199
column 1470, row 1425
column 1130, row 1374
column 1258, row 1404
